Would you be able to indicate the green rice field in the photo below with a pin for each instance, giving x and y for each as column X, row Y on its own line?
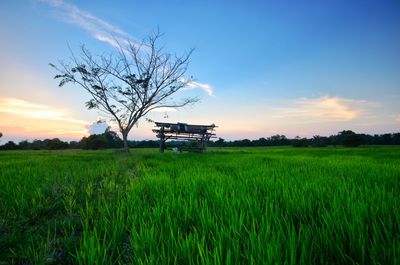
column 225, row 206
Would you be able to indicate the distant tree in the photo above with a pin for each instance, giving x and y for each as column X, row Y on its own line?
column 73, row 145
column 24, row 145
column 128, row 84
column 57, row 144
column 108, row 139
column 319, row 141
column 386, row 138
column 36, row 145
column 145, row 144
column 353, row 140
column 279, row 140
column 244, row 142
column 299, row 142
column 220, row 142
column 113, row 140
column 350, row 139
column 94, row 141
column 10, row 145
column 396, row 138
column 260, row 142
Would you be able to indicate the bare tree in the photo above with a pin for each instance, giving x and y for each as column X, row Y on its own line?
column 129, row 83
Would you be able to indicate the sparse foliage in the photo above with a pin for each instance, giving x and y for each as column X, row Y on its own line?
column 128, row 84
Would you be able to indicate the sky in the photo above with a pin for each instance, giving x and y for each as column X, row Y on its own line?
column 298, row 68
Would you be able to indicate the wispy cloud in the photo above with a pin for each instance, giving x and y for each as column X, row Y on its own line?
column 193, row 85
column 34, row 111
column 164, row 109
column 95, row 26
column 398, row 119
column 203, row 86
column 105, row 32
column 329, row 109
column 24, row 119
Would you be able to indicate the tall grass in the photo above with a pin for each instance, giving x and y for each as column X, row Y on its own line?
column 226, row 206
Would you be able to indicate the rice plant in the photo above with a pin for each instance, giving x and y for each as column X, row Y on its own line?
column 226, row 206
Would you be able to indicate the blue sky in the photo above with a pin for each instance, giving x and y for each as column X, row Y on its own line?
column 262, row 67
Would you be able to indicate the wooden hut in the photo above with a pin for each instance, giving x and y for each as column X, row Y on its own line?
column 198, row 135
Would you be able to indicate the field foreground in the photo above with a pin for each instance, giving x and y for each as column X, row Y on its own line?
column 226, row 206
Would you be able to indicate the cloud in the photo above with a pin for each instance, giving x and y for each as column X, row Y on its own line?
column 24, row 119
column 96, row 27
column 109, row 40
column 193, row 85
column 205, row 87
column 34, row 111
column 164, row 109
column 98, row 127
column 22, row 132
column 397, row 119
column 106, row 32
column 329, row 109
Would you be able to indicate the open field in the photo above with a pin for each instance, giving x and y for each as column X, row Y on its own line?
column 226, row 206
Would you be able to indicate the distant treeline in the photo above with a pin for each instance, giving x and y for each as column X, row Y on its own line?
column 111, row 139
column 344, row 138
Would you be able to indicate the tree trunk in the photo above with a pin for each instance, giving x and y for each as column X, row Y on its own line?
column 125, row 138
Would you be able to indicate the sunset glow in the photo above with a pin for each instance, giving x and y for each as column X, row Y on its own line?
column 27, row 119
column 258, row 70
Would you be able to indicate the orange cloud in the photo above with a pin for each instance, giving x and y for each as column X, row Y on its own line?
column 330, row 109
column 35, row 111
column 26, row 119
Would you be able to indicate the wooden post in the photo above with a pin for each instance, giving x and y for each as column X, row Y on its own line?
column 203, row 143
column 162, row 139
